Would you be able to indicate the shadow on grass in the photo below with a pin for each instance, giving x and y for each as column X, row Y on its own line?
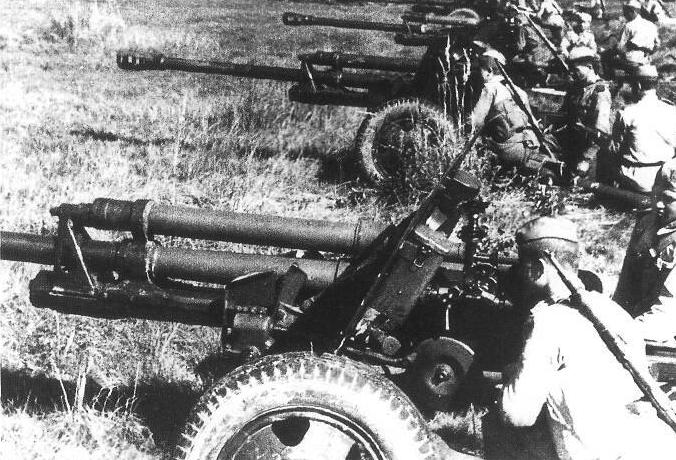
column 106, row 136
column 162, row 406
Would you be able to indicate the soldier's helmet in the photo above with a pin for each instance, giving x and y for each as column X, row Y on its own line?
column 581, row 55
column 555, row 234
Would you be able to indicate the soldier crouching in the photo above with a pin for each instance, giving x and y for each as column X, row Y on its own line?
column 566, row 382
column 505, row 126
column 643, row 137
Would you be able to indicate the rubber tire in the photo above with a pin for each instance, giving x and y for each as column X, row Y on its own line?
column 338, row 384
column 396, row 110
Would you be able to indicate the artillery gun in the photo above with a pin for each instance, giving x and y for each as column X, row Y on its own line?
column 417, row 108
column 417, row 298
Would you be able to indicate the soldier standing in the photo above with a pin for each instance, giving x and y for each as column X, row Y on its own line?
column 506, row 126
column 592, row 407
column 579, row 35
column 586, row 108
column 647, row 283
column 643, row 136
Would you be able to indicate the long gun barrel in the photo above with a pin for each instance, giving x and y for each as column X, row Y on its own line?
column 142, row 261
column 297, row 19
column 360, row 61
column 158, row 61
column 441, row 3
column 447, row 20
column 145, row 218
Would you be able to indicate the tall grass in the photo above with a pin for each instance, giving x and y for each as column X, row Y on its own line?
column 74, row 128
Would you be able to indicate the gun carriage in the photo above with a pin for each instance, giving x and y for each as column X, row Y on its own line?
column 418, row 297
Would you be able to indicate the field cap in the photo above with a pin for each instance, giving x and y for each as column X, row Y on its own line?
column 665, row 182
column 495, row 54
column 635, row 4
column 647, row 72
column 541, row 229
column 581, row 55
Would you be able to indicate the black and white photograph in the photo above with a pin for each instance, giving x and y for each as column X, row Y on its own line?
column 338, row 229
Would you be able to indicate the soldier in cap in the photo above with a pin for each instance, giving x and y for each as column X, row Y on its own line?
column 586, row 109
column 638, row 41
column 647, row 283
column 505, row 125
column 579, row 35
column 590, row 402
column 643, row 137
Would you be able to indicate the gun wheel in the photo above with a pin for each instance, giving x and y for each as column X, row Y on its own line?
column 401, row 137
column 298, row 405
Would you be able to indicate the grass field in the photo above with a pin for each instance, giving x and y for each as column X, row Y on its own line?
column 74, row 127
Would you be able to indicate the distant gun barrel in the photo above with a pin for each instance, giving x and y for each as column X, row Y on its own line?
column 297, row 19
column 625, row 197
column 469, row 19
column 142, row 261
column 145, row 218
column 157, row 61
column 440, row 3
column 360, row 61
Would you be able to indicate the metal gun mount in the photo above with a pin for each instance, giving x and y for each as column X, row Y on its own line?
column 269, row 304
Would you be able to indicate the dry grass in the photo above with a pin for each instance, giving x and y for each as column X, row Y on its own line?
column 74, row 127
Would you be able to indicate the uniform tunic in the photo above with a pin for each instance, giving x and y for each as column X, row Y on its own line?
column 590, row 399
column 587, row 105
column 639, row 39
column 505, row 123
column 647, row 282
column 645, row 136
column 572, row 39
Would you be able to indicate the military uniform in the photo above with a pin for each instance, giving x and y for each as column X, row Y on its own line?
column 592, row 406
column 644, row 136
column 586, row 107
column 549, row 15
column 506, row 126
column 579, row 36
column 572, row 39
column 647, row 283
column 638, row 41
column 592, row 403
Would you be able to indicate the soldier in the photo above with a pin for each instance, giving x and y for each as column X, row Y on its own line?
column 506, row 127
column 643, row 136
column 586, row 109
column 638, row 41
column 592, row 407
column 647, row 283
column 549, row 15
column 579, row 35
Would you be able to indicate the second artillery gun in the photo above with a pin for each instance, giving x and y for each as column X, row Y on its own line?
column 414, row 105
